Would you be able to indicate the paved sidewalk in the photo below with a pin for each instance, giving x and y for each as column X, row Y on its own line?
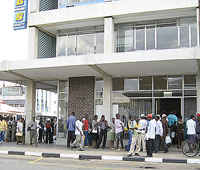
column 51, row 150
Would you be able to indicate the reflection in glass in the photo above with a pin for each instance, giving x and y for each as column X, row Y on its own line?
column 71, row 45
column 62, row 45
column 160, row 82
column 140, row 38
column 190, row 81
column 85, row 44
column 190, row 107
column 131, row 84
column 99, row 85
column 174, row 82
column 184, row 35
column 193, row 35
column 150, row 38
column 125, row 40
column 167, row 36
column 145, row 83
column 99, row 42
column 118, row 84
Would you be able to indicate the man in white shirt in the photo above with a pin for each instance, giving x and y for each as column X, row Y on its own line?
column 191, row 130
column 150, row 136
column 79, row 134
column 159, row 136
column 143, row 128
column 119, row 130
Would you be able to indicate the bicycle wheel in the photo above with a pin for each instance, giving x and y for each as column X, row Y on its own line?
column 190, row 150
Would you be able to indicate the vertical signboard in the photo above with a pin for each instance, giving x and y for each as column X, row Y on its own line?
column 20, row 14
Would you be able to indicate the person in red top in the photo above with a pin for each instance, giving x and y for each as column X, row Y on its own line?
column 86, row 126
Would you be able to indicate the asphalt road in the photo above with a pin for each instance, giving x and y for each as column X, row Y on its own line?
column 10, row 162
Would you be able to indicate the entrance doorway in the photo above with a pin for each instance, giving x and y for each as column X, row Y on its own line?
column 168, row 104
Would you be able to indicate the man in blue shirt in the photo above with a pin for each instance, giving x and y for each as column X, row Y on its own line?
column 71, row 123
column 172, row 120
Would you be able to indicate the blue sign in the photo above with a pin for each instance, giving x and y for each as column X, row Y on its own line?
column 20, row 14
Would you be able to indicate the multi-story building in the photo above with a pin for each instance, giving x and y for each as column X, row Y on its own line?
column 112, row 56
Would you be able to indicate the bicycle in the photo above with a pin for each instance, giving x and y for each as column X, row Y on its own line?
column 190, row 149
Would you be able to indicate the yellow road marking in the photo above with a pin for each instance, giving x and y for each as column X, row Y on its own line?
column 73, row 166
column 36, row 160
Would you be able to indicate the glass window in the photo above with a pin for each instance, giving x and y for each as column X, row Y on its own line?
column 99, row 85
column 145, row 83
column 140, row 38
column 99, row 42
column 85, row 44
column 167, row 36
column 125, row 39
column 184, row 35
column 190, row 107
column 131, row 84
column 118, row 84
column 160, row 82
column 62, row 45
column 71, row 46
column 193, row 35
column 190, row 81
column 150, row 38
column 174, row 82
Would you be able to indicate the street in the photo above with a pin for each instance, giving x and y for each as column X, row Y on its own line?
column 10, row 162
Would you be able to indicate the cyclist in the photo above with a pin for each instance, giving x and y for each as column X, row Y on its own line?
column 191, row 130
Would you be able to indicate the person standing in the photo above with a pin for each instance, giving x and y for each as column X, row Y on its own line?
column 103, row 124
column 52, row 131
column 14, row 128
column 143, row 128
column 41, row 131
column 172, row 120
column 131, row 123
column 191, row 130
column 20, row 138
column 33, row 132
column 164, row 125
column 136, row 139
column 79, row 134
column 112, row 133
column 49, row 132
column 94, row 131
column 3, row 127
column 86, row 127
column 8, row 129
column 180, row 132
column 71, row 123
column 150, row 136
column 198, row 127
column 119, row 131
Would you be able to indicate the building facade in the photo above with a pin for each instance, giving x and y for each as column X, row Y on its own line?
column 130, row 57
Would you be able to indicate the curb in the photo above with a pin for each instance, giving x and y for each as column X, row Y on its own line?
column 97, row 157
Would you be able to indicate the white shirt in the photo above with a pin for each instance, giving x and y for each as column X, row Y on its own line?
column 151, row 131
column 191, row 127
column 19, row 127
column 159, row 128
column 79, row 124
column 118, row 126
column 143, row 125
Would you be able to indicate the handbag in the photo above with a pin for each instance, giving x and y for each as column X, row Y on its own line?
column 29, row 129
column 168, row 140
column 19, row 134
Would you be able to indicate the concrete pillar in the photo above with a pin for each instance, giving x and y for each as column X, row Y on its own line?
column 198, row 92
column 107, row 98
column 33, row 43
column 34, row 5
column 109, row 35
column 30, row 105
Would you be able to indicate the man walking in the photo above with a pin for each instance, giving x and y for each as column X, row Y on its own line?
column 150, row 136
column 71, row 122
column 103, row 124
column 119, row 130
column 33, row 132
column 79, row 134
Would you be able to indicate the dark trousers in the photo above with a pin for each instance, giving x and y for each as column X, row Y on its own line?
column 70, row 138
column 149, row 147
column 103, row 134
column 157, row 143
column 40, row 135
column 49, row 136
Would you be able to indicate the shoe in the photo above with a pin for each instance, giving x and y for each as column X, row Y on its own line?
column 165, row 151
column 81, row 149
column 103, row 147
column 72, row 147
column 137, row 154
column 36, row 145
column 149, row 156
column 129, row 155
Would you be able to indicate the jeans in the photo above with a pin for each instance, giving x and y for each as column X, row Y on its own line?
column 86, row 138
column 130, row 138
column 103, row 134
